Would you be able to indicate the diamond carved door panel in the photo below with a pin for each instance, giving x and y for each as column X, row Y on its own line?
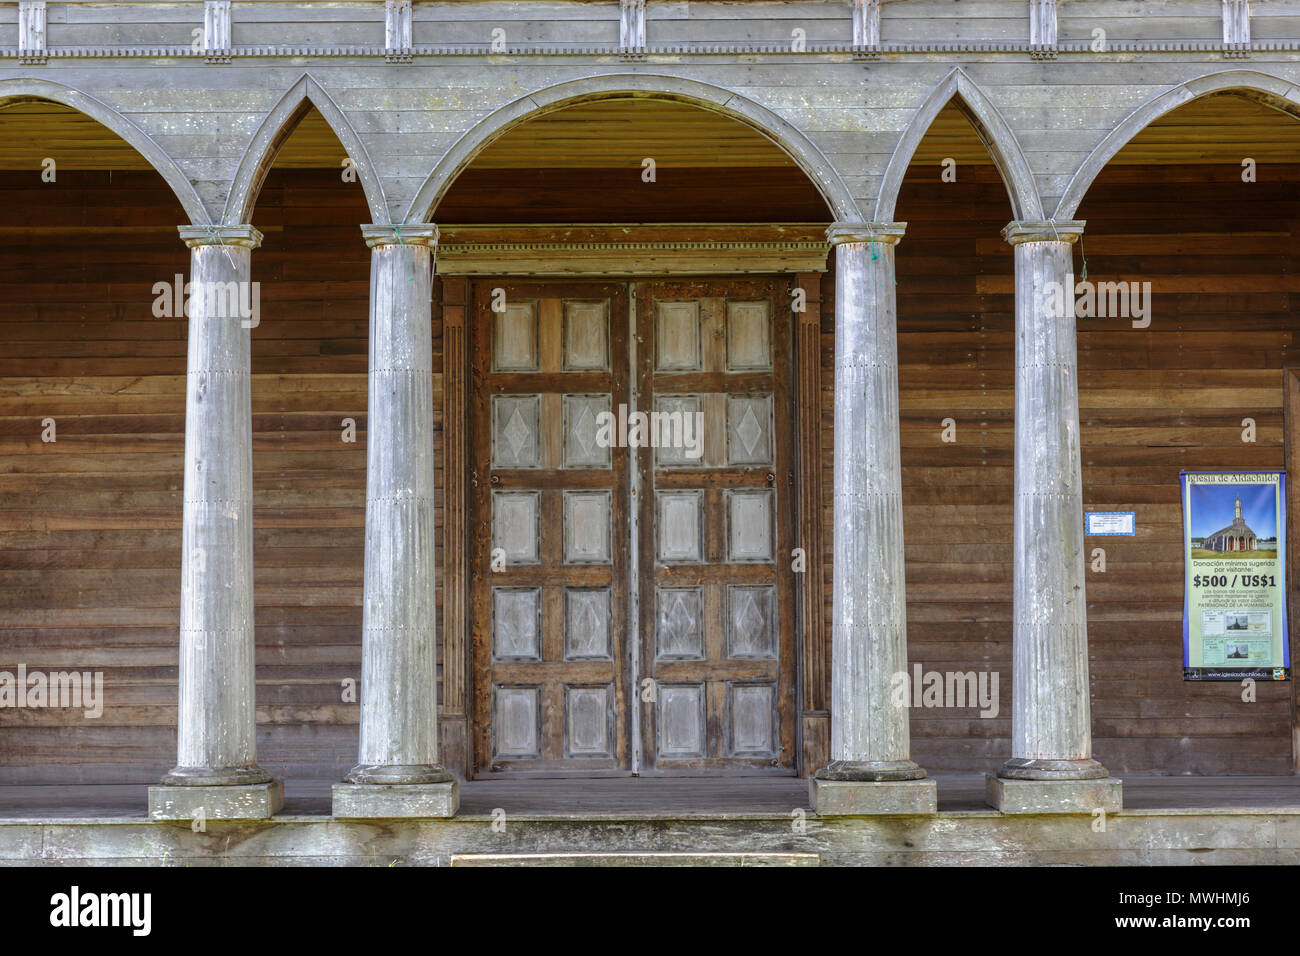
column 716, row 598
column 549, row 570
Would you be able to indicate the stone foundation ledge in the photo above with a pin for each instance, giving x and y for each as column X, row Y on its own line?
column 1229, row 835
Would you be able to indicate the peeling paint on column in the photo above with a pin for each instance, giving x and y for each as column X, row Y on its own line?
column 1050, row 723
column 866, row 24
column 216, row 737
column 399, row 706
column 869, row 735
column 1236, row 23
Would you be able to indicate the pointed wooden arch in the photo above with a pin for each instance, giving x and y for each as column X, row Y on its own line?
column 275, row 128
column 801, row 150
column 993, row 131
column 1272, row 91
column 20, row 90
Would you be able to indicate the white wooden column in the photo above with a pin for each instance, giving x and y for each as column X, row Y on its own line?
column 216, row 733
column 398, row 772
column 632, row 27
column 1051, row 766
column 870, row 770
column 217, row 31
column 1236, row 24
column 397, row 31
column 32, row 20
column 866, row 24
column 1042, row 23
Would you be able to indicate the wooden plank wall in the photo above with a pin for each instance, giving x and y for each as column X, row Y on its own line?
column 310, row 357
column 90, row 525
column 1221, row 256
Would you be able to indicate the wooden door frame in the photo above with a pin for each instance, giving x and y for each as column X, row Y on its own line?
column 812, row 649
column 455, row 740
column 1291, row 462
column 812, row 639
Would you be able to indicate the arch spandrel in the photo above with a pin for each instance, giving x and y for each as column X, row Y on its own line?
column 18, row 90
column 276, row 127
column 802, row 151
column 1273, row 91
column 989, row 125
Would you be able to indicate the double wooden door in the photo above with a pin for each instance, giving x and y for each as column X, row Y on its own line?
column 631, row 582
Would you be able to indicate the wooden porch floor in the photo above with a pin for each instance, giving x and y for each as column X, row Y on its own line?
column 676, row 797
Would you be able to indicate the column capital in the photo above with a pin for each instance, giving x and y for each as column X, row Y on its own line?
column 408, row 234
column 838, row 233
column 221, row 235
column 1043, row 230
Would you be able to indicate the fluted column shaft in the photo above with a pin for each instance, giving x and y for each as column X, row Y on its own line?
column 399, row 707
column 869, row 731
column 216, row 738
column 1050, row 721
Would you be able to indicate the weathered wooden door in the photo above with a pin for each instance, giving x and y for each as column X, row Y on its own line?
column 550, row 570
column 716, row 598
column 631, row 606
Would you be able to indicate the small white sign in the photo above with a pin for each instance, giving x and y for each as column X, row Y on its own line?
column 1111, row 522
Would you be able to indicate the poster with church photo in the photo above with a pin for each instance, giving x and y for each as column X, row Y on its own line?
column 1234, row 603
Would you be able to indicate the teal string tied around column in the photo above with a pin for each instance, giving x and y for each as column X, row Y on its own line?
column 410, row 268
column 876, row 255
column 221, row 241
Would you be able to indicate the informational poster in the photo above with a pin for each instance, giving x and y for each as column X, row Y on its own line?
column 1110, row 523
column 1234, row 603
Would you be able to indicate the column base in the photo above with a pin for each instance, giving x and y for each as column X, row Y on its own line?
column 372, row 801
column 1027, row 768
column 853, row 798
column 1078, row 795
column 874, row 771
column 258, row 801
column 372, row 774
column 216, row 777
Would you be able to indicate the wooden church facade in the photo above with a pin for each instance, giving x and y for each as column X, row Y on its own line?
column 1236, row 537
column 381, row 516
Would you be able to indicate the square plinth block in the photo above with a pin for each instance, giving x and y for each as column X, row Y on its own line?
column 1055, row 796
column 372, row 800
column 257, row 801
column 853, row 798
